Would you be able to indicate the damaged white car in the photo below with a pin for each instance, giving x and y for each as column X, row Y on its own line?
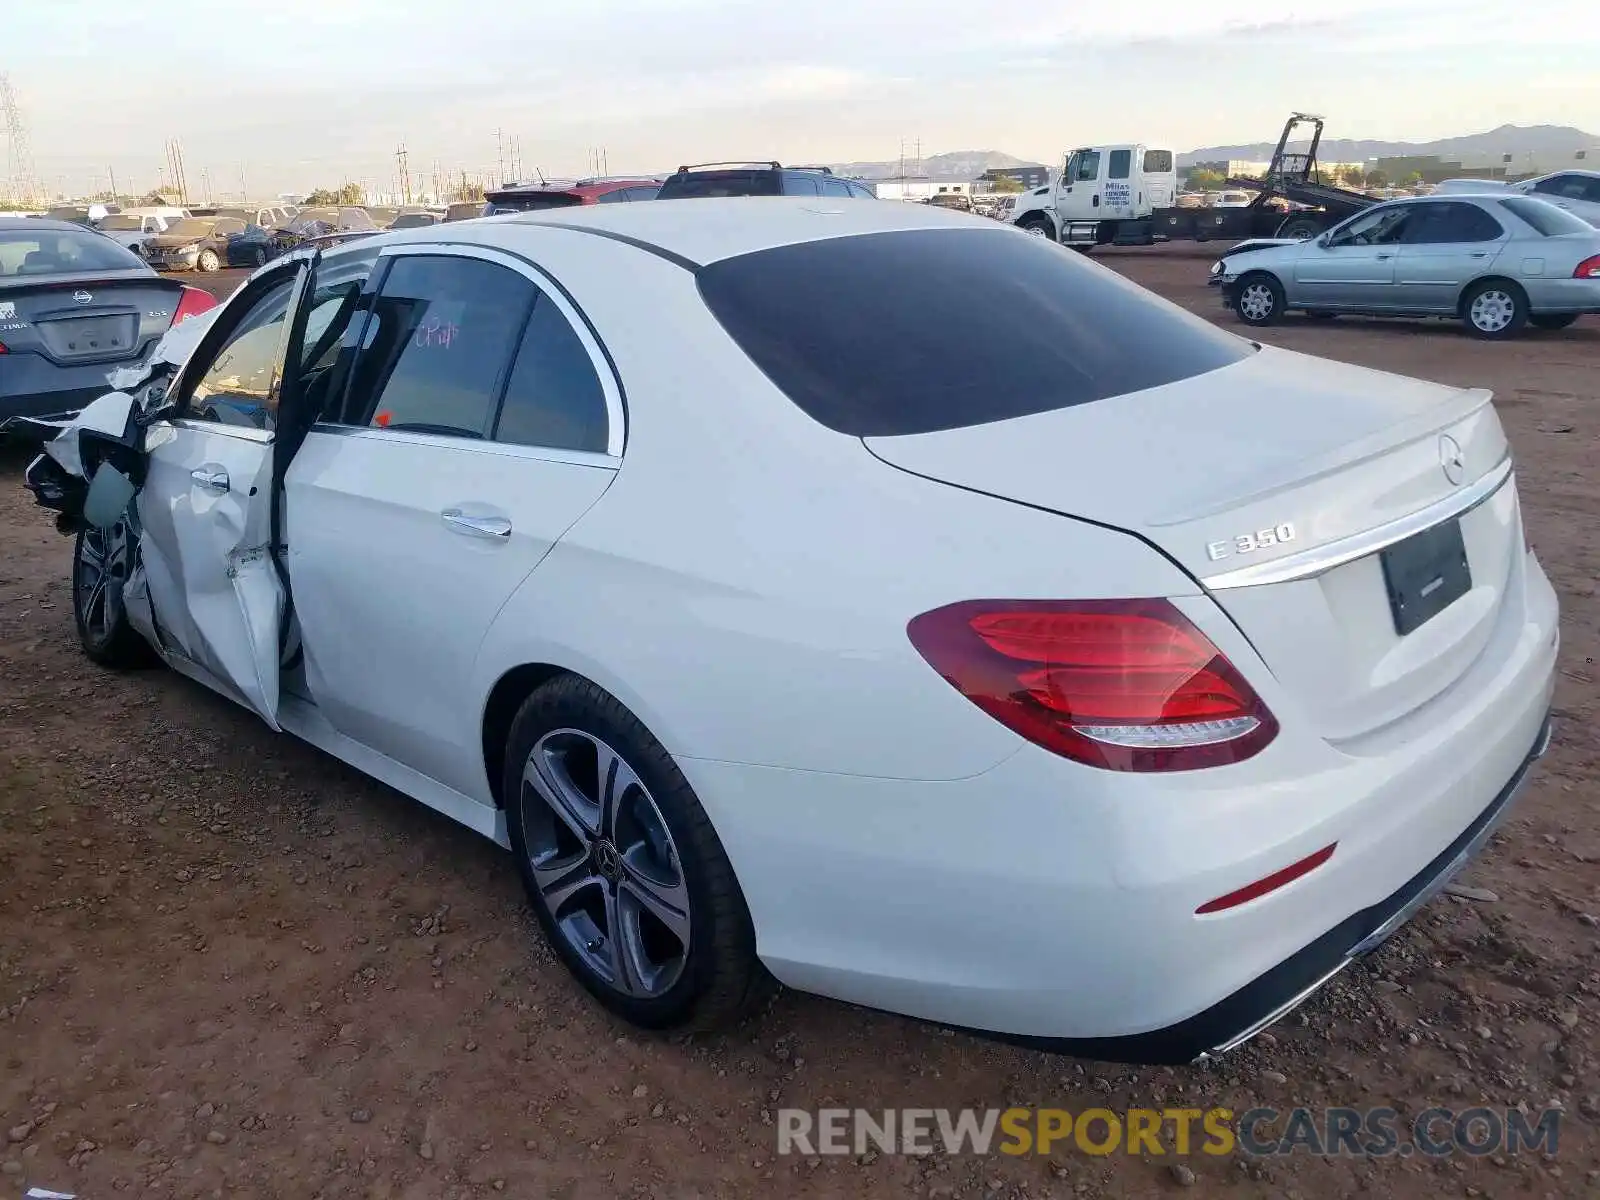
column 1068, row 669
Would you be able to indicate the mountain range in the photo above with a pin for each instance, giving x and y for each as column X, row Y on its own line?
column 1507, row 139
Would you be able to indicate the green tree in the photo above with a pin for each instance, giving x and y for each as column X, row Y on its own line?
column 1414, row 179
column 1377, row 179
column 1352, row 176
column 347, row 194
column 1007, row 185
column 1203, row 179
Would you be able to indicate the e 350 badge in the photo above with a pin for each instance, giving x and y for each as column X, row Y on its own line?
column 1250, row 543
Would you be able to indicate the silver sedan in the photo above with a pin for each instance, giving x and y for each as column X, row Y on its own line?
column 1496, row 263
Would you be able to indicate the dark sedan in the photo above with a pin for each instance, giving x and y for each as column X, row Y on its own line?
column 74, row 306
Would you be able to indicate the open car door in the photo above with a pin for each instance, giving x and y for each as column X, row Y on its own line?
column 213, row 595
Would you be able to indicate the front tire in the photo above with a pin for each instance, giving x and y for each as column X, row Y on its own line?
column 1259, row 299
column 625, row 873
column 1037, row 226
column 102, row 559
column 208, row 262
column 1552, row 321
column 1494, row 309
column 260, row 256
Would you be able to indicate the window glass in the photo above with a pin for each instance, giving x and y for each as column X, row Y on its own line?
column 1444, row 223
column 1088, row 166
column 446, row 327
column 336, row 320
column 61, row 252
column 1157, row 162
column 615, row 196
column 868, row 337
column 1546, row 218
column 240, row 387
column 1380, row 226
column 834, row 187
column 553, row 397
column 643, row 193
column 1121, row 164
column 797, row 184
column 862, row 193
column 1589, row 190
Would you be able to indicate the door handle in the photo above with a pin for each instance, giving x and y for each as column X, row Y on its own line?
column 210, row 480
column 484, row 527
column 1381, row 257
column 1094, row 201
column 1480, row 254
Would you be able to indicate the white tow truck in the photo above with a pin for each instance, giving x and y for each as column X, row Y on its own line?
column 1126, row 195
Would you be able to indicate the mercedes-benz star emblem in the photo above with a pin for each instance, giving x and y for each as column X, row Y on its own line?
column 1452, row 459
column 81, row 296
column 607, row 860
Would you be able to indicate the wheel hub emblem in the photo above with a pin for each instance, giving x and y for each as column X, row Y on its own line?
column 1452, row 459
column 606, row 859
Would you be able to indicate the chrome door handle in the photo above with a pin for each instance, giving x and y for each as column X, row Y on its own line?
column 211, row 481
column 484, row 527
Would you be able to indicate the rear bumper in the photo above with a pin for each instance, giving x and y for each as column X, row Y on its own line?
column 1270, row 997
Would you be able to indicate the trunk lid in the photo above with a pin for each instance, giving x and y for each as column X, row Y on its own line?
column 1243, row 474
column 74, row 320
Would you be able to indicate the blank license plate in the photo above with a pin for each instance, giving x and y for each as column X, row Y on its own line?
column 1425, row 574
column 90, row 337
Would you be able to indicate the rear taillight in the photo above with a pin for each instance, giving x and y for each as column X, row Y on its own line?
column 1128, row 685
column 1589, row 268
column 192, row 302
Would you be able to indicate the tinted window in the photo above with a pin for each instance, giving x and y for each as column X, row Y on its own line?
column 336, row 321
column 60, row 251
column 834, row 187
column 446, row 328
column 615, row 196
column 554, row 396
column 240, row 387
column 862, row 193
column 877, row 334
column 643, row 193
column 797, row 184
column 1444, row 223
column 1121, row 164
column 694, row 184
column 1546, row 218
column 1157, row 161
column 1568, row 187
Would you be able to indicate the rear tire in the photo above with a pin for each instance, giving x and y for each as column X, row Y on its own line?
column 208, row 262
column 1494, row 308
column 1301, row 229
column 1552, row 321
column 623, row 869
column 1259, row 300
column 101, row 562
column 261, row 256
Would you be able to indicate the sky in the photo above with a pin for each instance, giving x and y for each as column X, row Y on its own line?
column 286, row 95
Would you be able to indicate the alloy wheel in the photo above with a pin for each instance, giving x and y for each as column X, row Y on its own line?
column 605, row 863
column 104, row 560
column 1492, row 310
column 1256, row 301
column 1036, row 230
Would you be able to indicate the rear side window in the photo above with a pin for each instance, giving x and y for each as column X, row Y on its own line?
column 877, row 335
column 835, row 187
column 1546, row 218
column 1445, row 222
column 1157, row 162
column 554, row 397
column 798, row 184
column 446, row 329
column 698, row 184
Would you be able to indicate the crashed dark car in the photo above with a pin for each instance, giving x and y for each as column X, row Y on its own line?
column 318, row 224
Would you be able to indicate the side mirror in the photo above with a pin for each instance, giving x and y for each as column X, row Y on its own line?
column 1324, row 240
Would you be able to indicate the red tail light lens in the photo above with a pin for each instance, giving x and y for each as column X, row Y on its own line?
column 192, row 302
column 1589, row 268
column 1127, row 685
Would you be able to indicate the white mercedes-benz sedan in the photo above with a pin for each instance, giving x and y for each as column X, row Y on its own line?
column 862, row 597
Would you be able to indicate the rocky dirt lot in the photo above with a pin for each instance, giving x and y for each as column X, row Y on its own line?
column 232, row 967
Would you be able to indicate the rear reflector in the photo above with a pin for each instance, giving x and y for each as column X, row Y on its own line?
column 1127, row 685
column 192, row 302
column 1270, row 884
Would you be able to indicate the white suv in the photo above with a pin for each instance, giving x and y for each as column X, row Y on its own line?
column 1576, row 191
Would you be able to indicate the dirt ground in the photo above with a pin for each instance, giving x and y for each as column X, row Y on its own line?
column 232, row 967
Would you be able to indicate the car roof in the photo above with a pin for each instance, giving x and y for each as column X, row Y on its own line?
column 707, row 230
column 27, row 223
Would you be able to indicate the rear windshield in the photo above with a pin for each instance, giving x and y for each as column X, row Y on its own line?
column 698, row 184
column 1157, row 162
column 529, row 202
column 61, row 252
column 1546, row 217
column 916, row 331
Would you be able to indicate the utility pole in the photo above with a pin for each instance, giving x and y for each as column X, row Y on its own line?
column 111, row 173
column 244, row 192
column 500, row 146
column 401, row 162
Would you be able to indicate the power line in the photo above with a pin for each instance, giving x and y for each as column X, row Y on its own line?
column 21, row 180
